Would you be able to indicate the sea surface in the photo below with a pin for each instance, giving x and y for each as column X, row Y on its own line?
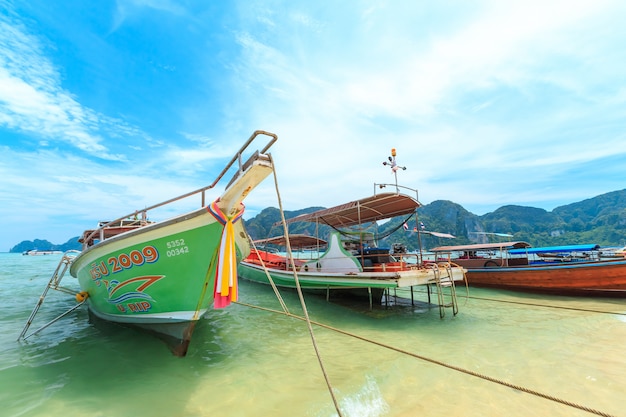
column 504, row 354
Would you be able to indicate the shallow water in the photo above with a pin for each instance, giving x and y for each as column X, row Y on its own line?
column 246, row 361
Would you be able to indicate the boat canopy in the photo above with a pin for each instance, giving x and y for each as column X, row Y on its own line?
column 371, row 209
column 483, row 246
column 556, row 249
column 296, row 240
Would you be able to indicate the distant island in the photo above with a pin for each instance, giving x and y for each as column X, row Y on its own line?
column 600, row 220
column 44, row 245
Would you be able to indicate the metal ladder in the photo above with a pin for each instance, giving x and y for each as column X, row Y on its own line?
column 445, row 281
column 54, row 283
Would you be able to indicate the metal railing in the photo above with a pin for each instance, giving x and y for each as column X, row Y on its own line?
column 141, row 216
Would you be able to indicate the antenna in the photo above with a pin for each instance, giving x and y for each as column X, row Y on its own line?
column 394, row 166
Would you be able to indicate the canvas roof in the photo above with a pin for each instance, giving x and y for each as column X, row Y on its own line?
column 370, row 209
column 482, row 246
column 557, row 249
column 295, row 240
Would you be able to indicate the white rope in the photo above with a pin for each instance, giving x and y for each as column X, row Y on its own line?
column 269, row 277
column 301, row 296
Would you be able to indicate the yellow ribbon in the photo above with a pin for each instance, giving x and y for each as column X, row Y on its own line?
column 226, row 271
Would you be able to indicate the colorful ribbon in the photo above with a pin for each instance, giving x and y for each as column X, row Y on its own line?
column 225, row 289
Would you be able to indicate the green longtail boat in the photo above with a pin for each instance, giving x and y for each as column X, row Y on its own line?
column 164, row 276
column 349, row 262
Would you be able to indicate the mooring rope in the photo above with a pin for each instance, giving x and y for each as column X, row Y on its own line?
column 440, row 363
column 587, row 310
column 269, row 277
column 306, row 317
column 309, row 323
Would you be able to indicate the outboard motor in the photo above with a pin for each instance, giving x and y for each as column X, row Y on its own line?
column 398, row 248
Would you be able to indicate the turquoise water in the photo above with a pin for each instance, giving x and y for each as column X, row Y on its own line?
column 250, row 362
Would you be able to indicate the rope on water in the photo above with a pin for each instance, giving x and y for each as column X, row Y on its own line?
column 301, row 296
column 440, row 363
column 588, row 310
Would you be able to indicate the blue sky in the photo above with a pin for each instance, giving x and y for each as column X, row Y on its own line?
column 111, row 106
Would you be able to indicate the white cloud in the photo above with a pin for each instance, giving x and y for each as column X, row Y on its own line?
column 129, row 8
column 488, row 103
column 341, row 95
column 32, row 99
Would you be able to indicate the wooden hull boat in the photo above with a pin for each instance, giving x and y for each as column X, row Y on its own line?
column 512, row 266
column 603, row 278
column 164, row 276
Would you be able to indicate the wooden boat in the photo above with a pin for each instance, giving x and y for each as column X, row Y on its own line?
column 37, row 252
column 350, row 262
column 613, row 252
column 164, row 276
column 562, row 270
